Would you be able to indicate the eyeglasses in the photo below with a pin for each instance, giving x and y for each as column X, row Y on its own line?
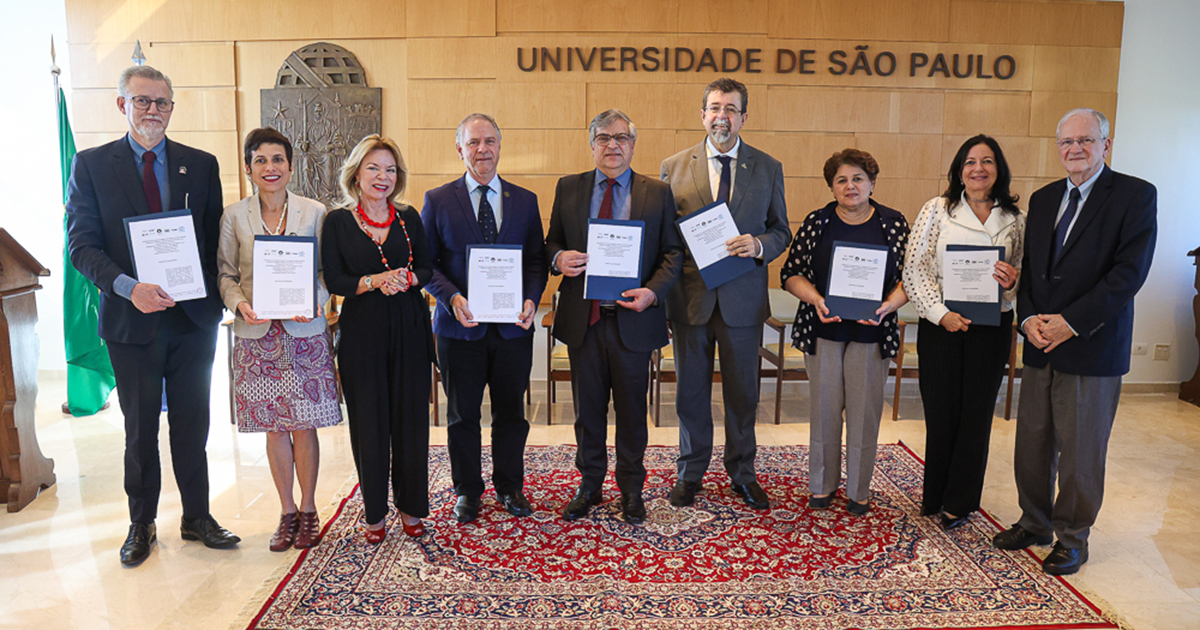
column 1084, row 143
column 143, row 103
column 715, row 110
column 603, row 139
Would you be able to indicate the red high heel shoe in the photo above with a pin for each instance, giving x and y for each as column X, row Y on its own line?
column 415, row 531
column 375, row 536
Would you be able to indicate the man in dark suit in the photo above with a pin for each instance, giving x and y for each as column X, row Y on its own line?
column 1089, row 241
column 730, row 317
column 609, row 344
column 151, row 339
column 480, row 208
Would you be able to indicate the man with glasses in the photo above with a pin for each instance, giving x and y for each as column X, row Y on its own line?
column 152, row 340
column 1089, row 241
column 480, row 208
column 609, row 343
column 730, row 317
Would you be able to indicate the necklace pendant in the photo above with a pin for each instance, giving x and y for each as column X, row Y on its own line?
column 384, row 261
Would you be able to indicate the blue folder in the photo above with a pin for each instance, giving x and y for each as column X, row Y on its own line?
column 312, row 242
column 608, row 287
column 980, row 313
column 725, row 269
column 848, row 308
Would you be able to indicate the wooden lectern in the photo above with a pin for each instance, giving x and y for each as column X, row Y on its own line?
column 23, row 470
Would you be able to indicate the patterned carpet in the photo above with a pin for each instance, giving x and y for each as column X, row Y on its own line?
column 717, row 564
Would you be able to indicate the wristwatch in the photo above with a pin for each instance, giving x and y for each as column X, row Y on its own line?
column 367, row 283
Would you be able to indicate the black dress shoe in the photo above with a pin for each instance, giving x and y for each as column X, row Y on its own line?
column 684, row 492
column 820, row 503
column 466, row 509
column 206, row 530
column 856, row 508
column 137, row 544
column 753, row 495
column 1064, row 561
column 579, row 505
column 633, row 509
column 1017, row 537
column 515, row 503
column 953, row 522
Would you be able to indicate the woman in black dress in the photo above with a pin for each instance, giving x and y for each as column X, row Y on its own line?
column 375, row 255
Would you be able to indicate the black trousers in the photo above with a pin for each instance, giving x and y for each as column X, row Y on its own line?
column 601, row 366
column 181, row 354
column 959, row 377
column 502, row 365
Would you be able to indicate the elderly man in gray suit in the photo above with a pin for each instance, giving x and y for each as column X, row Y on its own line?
column 729, row 317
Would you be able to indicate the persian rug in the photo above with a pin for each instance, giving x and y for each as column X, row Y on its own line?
column 717, row 564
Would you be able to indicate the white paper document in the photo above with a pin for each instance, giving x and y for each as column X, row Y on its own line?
column 857, row 273
column 614, row 250
column 163, row 247
column 967, row 276
column 494, row 284
column 285, row 277
column 706, row 233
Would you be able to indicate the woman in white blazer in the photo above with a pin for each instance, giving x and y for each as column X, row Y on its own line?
column 283, row 377
column 962, row 363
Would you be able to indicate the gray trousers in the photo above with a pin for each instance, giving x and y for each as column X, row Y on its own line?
column 844, row 377
column 738, row 349
column 1063, row 425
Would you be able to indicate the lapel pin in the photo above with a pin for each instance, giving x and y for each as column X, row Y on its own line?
column 183, row 170
column 506, row 193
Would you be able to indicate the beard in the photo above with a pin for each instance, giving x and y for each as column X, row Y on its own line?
column 151, row 130
column 720, row 135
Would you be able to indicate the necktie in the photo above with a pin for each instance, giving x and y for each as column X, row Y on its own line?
column 487, row 218
column 723, row 187
column 605, row 213
column 1060, row 232
column 150, row 182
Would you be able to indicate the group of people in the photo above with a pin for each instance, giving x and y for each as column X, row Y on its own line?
column 1070, row 268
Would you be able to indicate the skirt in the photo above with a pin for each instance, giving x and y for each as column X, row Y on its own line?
column 284, row 383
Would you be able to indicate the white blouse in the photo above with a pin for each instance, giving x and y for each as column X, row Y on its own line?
column 938, row 226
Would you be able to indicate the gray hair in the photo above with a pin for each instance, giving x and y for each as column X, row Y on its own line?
column 458, row 135
column 141, row 72
column 1101, row 121
column 606, row 118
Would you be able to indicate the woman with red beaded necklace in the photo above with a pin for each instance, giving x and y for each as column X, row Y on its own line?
column 375, row 255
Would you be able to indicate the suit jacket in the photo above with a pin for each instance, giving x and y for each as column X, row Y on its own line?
column 451, row 225
column 758, row 207
column 1104, row 263
column 241, row 222
column 104, row 189
column 662, row 258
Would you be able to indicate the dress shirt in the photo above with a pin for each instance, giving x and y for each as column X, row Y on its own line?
column 620, row 208
column 123, row 284
column 495, row 198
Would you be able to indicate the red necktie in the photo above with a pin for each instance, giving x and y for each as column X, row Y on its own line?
column 605, row 213
column 150, row 182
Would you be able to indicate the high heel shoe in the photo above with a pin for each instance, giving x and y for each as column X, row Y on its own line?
column 416, row 530
column 308, row 530
column 375, row 536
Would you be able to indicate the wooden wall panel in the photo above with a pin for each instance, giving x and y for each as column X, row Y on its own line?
column 1026, row 157
column 802, row 154
column 1046, row 108
column 996, row 113
column 904, row 155
column 895, row 20
column 210, row 109
column 192, row 65
column 443, row 104
column 845, row 110
column 448, row 18
column 555, row 16
column 724, row 16
column 1063, row 69
column 907, row 195
column 1064, row 23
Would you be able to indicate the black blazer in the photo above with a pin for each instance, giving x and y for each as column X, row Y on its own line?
column 662, row 258
column 1104, row 263
column 104, row 189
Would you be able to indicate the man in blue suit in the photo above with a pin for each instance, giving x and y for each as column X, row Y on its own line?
column 152, row 340
column 480, row 208
column 1089, row 241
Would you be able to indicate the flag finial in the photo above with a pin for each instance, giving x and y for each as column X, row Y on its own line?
column 138, row 57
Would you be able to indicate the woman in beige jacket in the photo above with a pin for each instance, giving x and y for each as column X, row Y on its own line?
column 283, row 377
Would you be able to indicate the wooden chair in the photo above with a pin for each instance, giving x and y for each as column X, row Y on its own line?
column 662, row 370
column 788, row 361
column 1016, row 365
column 906, row 360
column 558, row 366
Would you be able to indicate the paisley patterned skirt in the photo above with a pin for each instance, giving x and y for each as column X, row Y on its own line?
column 284, row 383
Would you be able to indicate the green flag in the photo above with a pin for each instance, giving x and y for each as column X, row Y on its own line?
column 89, row 372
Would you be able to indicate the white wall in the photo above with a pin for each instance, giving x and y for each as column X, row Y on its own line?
column 1158, row 122
column 31, row 207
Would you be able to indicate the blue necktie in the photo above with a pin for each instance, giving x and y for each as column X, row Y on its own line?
column 1060, row 232
column 723, row 187
column 487, row 218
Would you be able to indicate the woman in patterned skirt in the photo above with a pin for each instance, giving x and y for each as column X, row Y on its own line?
column 283, row 378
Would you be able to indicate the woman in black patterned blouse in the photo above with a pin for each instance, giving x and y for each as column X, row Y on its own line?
column 847, row 361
